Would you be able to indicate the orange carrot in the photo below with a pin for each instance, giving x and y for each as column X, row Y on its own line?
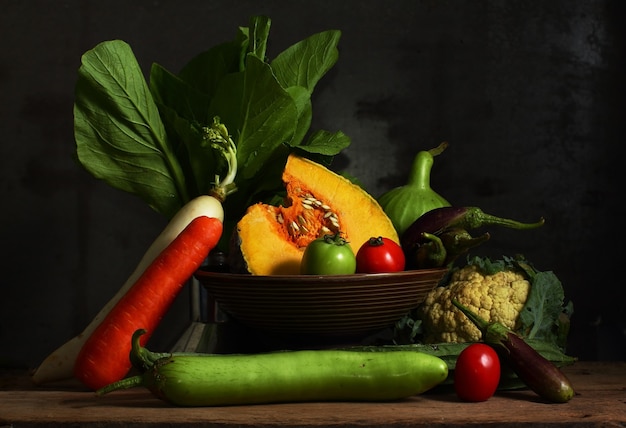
column 104, row 358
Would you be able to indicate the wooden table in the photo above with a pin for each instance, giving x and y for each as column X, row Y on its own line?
column 600, row 402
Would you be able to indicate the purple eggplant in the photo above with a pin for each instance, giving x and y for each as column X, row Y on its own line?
column 538, row 373
column 440, row 219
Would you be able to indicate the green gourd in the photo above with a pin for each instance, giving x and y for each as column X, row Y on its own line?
column 282, row 376
column 404, row 204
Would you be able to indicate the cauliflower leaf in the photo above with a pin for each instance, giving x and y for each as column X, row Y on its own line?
column 546, row 315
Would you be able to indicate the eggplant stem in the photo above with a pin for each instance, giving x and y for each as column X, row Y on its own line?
column 141, row 358
column 475, row 218
column 478, row 321
column 127, row 383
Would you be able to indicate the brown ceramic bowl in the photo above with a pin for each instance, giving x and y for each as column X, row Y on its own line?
column 320, row 306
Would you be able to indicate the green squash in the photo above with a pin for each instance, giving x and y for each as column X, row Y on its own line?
column 404, row 204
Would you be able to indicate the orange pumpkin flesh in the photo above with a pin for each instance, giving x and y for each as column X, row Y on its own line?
column 271, row 239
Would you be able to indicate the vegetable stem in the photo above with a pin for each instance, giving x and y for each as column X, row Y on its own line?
column 173, row 166
column 126, row 383
column 439, row 149
column 217, row 135
column 419, row 176
column 141, row 358
column 475, row 218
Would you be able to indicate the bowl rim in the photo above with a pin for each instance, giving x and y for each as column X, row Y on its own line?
column 355, row 277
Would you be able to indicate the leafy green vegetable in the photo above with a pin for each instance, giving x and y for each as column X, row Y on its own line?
column 119, row 134
column 147, row 138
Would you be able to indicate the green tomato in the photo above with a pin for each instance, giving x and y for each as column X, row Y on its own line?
column 328, row 255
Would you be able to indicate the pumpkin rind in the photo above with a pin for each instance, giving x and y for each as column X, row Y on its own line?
column 271, row 239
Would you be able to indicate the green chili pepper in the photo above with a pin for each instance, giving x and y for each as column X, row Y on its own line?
column 430, row 254
column 459, row 241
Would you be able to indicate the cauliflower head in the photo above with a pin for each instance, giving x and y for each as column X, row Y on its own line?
column 495, row 297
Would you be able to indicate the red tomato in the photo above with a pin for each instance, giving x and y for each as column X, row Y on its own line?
column 477, row 373
column 380, row 255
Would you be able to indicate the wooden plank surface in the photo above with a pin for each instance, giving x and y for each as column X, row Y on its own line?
column 600, row 402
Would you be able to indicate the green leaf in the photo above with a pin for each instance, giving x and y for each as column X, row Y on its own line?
column 172, row 91
column 118, row 131
column 488, row 266
column 268, row 117
column 205, row 71
column 259, row 32
column 306, row 62
column 544, row 305
column 300, row 67
column 302, row 99
column 180, row 105
column 326, row 143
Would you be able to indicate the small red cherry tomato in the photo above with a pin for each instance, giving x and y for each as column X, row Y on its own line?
column 380, row 255
column 477, row 373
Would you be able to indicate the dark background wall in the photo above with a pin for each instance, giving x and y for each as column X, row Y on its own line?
column 530, row 95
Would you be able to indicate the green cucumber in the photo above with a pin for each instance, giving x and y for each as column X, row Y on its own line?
column 284, row 376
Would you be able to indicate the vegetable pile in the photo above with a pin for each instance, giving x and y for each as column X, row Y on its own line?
column 537, row 372
column 509, row 305
column 224, row 151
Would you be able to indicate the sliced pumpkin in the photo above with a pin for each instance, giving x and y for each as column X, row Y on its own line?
column 270, row 240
